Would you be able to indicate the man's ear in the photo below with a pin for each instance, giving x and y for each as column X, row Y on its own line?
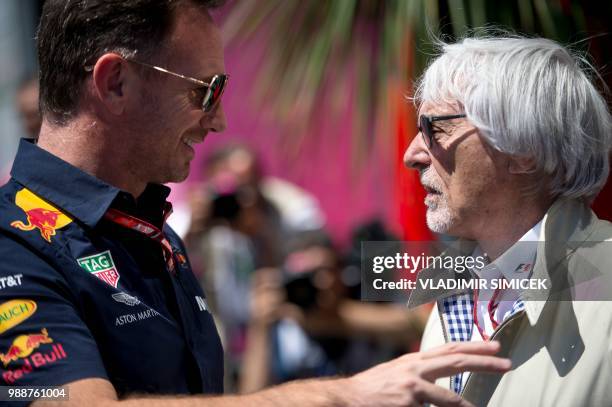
column 109, row 80
column 521, row 165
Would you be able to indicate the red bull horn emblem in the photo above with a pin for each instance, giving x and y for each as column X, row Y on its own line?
column 40, row 215
column 24, row 345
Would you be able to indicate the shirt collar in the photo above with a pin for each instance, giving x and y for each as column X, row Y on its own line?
column 567, row 220
column 82, row 195
column 516, row 262
column 463, row 247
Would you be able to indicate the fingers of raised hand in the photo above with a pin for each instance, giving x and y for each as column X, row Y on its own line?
column 447, row 365
column 481, row 348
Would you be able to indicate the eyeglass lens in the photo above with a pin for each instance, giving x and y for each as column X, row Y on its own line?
column 425, row 129
column 214, row 92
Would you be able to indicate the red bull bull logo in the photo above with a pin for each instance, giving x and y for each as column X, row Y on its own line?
column 40, row 215
column 24, row 345
column 22, row 348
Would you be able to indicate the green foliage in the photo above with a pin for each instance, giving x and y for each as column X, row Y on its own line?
column 316, row 47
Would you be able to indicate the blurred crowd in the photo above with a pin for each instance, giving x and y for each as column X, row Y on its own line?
column 286, row 299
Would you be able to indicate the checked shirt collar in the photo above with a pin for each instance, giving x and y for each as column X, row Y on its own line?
column 457, row 307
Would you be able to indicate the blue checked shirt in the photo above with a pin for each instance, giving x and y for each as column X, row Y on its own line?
column 457, row 311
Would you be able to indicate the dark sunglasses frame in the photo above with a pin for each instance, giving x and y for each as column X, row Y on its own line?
column 426, row 126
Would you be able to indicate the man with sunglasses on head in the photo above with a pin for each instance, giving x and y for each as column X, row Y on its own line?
column 512, row 147
column 96, row 291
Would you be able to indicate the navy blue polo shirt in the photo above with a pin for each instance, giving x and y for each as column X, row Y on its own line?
column 83, row 297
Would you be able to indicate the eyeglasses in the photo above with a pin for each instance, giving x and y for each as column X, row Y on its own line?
column 207, row 96
column 426, row 126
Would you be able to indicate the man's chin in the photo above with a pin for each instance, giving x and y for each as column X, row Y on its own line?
column 182, row 177
column 175, row 177
column 439, row 221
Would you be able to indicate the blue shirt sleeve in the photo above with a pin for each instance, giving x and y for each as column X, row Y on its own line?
column 44, row 340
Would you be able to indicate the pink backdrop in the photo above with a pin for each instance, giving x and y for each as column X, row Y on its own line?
column 348, row 197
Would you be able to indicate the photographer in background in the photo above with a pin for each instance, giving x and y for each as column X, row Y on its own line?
column 226, row 255
column 305, row 321
column 241, row 221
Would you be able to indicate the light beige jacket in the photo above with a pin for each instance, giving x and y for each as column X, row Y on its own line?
column 561, row 348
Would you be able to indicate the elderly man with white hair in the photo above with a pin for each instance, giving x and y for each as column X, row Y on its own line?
column 513, row 145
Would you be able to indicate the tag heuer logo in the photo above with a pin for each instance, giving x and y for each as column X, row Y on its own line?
column 126, row 299
column 102, row 266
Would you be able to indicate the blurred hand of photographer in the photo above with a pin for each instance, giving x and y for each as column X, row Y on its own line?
column 199, row 204
column 267, row 306
column 268, row 299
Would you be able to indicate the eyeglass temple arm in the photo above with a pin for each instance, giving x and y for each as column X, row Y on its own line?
column 454, row 116
column 178, row 75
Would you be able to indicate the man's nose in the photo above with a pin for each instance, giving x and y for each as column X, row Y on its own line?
column 215, row 120
column 417, row 155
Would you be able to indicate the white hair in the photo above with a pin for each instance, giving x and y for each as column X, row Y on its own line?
column 528, row 97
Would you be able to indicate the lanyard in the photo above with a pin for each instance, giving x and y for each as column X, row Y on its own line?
column 145, row 228
column 493, row 304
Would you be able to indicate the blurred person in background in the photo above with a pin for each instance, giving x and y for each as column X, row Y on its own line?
column 306, row 289
column 297, row 208
column 26, row 102
column 513, row 146
column 236, row 228
column 97, row 291
column 226, row 255
column 233, row 180
column 307, row 320
column 284, row 207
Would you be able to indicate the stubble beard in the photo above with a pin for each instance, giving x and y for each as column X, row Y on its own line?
column 439, row 216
